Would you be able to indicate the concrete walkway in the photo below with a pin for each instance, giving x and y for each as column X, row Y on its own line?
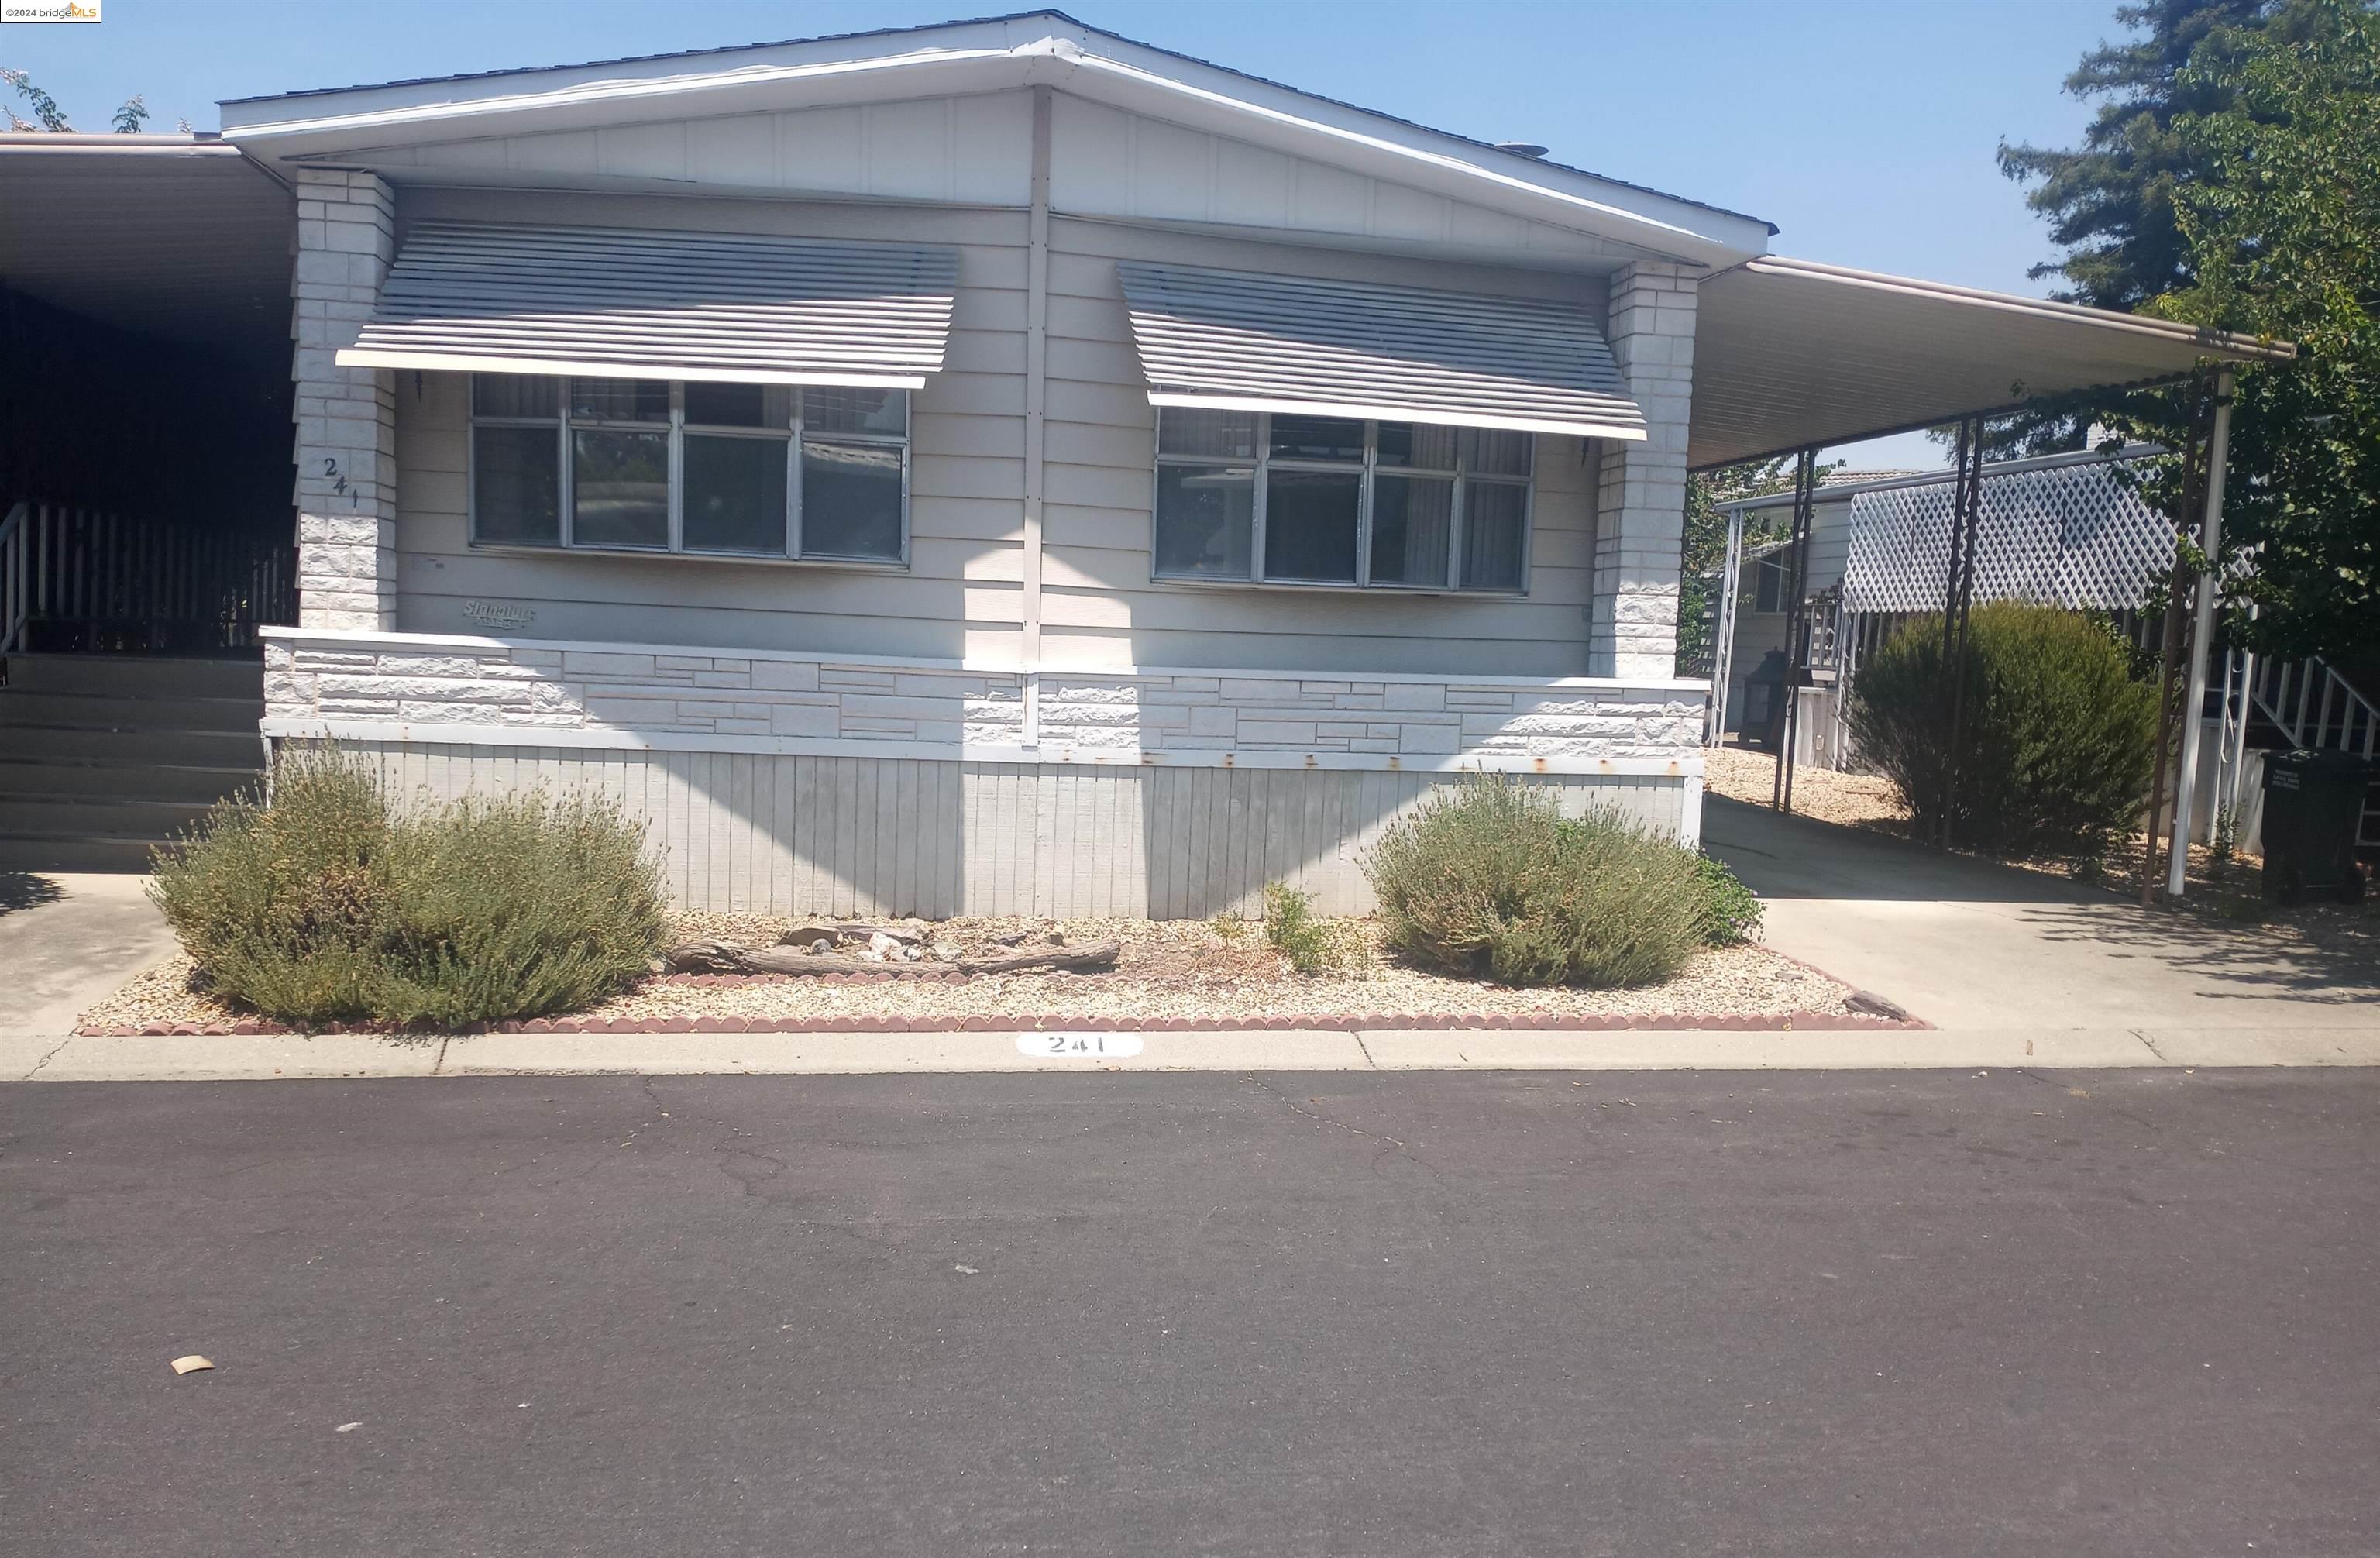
column 66, row 941
column 1974, row 947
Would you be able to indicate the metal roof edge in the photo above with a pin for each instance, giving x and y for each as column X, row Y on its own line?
column 1523, row 170
column 2216, row 342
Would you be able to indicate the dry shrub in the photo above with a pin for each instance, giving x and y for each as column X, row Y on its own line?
column 1488, row 877
column 329, row 903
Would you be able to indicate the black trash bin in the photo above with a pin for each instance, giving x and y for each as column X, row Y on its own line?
column 2313, row 803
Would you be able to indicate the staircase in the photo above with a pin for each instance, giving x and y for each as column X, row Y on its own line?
column 103, row 755
column 2307, row 703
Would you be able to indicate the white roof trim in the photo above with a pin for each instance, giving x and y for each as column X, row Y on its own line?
column 994, row 55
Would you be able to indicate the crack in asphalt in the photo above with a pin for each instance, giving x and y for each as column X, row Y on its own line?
column 1392, row 1147
column 732, row 1147
column 49, row 1055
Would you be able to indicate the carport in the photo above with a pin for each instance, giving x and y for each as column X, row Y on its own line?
column 1792, row 355
column 147, row 520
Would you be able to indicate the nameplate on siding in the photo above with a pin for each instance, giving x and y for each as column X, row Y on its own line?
column 498, row 613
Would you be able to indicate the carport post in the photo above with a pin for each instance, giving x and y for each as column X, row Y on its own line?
column 1723, row 631
column 1797, row 623
column 2202, row 636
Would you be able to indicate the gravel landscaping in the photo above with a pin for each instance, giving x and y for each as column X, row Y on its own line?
column 1173, row 973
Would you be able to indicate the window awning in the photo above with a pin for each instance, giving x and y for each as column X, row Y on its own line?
column 621, row 304
column 1237, row 341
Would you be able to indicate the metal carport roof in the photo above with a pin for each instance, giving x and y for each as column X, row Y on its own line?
column 161, row 235
column 1791, row 354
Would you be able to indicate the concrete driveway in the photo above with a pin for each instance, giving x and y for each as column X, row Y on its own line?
column 68, row 939
column 1971, row 946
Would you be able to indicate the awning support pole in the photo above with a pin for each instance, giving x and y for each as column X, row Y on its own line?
column 1723, row 632
column 2210, row 584
column 1966, row 513
column 1797, row 624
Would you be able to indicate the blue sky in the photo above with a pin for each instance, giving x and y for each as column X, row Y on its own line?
column 1865, row 130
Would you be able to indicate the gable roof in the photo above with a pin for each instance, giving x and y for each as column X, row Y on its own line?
column 988, row 53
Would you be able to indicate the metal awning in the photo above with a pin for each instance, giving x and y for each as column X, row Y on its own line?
column 614, row 303
column 1238, row 341
column 1791, row 354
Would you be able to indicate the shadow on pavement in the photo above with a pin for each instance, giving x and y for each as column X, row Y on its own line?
column 23, row 890
column 1785, row 857
column 2340, row 966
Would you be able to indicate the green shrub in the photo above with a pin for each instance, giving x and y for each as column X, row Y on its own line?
column 1312, row 945
column 1488, row 878
column 2056, row 735
column 1732, row 913
column 330, row 904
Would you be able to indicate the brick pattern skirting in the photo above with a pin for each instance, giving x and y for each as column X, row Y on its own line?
column 472, row 682
column 1063, row 1022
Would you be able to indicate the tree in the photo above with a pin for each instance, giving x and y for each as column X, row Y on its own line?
column 2282, row 224
column 1704, row 552
column 2109, row 201
column 126, row 119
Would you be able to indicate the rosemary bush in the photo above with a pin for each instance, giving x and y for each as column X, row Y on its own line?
column 1488, row 878
column 329, row 903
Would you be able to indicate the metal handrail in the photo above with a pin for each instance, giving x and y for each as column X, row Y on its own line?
column 2310, row 703
column 16, row 605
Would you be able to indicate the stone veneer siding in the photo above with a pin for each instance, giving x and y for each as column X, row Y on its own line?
column 392, row 680
column 345, row 416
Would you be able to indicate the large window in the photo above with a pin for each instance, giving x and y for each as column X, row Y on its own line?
column 642, row 465
column 1274, row 498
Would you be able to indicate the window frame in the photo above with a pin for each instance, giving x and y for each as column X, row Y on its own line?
column 1263, row 463
column 1776, row 564
column 795, row 434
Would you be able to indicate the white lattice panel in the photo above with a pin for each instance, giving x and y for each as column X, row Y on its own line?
column 2072, row 535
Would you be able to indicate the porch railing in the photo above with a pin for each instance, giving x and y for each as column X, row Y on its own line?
column 87, row 578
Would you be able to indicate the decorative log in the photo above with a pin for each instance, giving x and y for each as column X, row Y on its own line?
column 726, row 957
column 1089, row 954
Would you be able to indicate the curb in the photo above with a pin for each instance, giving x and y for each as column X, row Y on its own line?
column 1062, row 1022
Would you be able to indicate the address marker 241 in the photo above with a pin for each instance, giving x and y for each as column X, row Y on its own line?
column 1078, row 1046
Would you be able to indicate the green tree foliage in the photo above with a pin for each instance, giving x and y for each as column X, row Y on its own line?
column 2232, row 179
column 2283, row 226
column 48, row 116
column 2109, row 201
column 2055, row 734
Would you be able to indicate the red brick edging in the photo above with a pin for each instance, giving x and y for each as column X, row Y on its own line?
column 1539, row 1022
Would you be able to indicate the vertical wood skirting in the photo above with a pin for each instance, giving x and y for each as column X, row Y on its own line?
column 891, row 836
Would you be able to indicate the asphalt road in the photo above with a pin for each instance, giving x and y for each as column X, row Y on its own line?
column 1361, row 1314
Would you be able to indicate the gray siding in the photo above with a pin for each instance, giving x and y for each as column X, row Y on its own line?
column 1100, row 605
column 896, row 836
column 960, row 596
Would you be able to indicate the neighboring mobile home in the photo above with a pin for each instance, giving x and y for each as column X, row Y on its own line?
column 1002, row 468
